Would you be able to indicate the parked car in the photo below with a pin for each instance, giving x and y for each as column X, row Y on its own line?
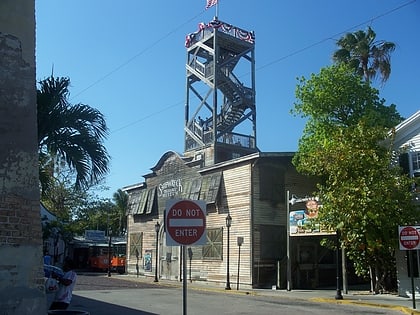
column 50, row 269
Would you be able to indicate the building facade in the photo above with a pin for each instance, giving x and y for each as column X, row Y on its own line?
column 22, row 277
column 407, row 139
column 252, row 191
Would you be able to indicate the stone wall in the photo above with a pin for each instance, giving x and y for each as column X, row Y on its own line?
column 21, row 273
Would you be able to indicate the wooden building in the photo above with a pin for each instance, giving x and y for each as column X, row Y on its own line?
column 251, row 189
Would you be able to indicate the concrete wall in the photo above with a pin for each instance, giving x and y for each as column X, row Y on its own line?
column 21, row 274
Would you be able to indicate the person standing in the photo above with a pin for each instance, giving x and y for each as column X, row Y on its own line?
column 66, row 282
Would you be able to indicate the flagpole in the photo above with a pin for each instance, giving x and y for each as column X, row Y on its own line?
column 217, row 9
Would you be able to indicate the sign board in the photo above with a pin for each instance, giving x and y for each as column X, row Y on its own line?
column 185, row 222
column 94, row 235
column 409, row 237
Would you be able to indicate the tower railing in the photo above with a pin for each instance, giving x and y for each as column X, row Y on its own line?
column 205, row 30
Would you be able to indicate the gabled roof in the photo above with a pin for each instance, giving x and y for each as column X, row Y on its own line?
column 407, row 129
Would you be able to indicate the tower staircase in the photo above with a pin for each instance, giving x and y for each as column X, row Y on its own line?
column 215, row 52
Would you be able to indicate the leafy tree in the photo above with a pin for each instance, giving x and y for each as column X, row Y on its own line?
column 98, row 214
column 343, row 143
column 72, row 134
column 366, row 55
column 120, row 199
column 62, row 198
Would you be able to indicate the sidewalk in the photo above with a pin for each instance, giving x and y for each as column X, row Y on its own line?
column 357, row 297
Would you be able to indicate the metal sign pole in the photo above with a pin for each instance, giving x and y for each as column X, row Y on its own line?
column 184, row 281
column 413, row 289
column 289, row 262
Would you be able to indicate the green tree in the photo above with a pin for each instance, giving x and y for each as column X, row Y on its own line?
column 97, row 214
column 120, row 199
column 366, row 55
column 70, row 134
column 361, row 188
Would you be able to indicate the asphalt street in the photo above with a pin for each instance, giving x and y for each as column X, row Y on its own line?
column 129, row 295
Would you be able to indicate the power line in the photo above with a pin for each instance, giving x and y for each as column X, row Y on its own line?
column 335, row 35
column 138, row 54
column 148, row 116
column 298, row 51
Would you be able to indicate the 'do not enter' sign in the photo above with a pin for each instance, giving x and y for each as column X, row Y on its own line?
column 185, row 222
column 409, row 237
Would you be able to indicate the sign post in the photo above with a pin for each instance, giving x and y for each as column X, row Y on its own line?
column 409, row 238
column 185, row 222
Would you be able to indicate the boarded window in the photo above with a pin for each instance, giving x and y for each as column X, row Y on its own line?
column 214, row 247
column 136, row 245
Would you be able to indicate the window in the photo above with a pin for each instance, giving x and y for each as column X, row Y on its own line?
column 416, row 162
column 214, row 247
column 136, row 245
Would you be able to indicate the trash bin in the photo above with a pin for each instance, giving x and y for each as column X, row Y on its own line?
column 67, row 312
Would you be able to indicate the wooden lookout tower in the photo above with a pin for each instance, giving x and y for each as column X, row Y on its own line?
column 220, row 115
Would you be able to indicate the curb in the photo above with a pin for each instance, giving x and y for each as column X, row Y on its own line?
column 403, row 309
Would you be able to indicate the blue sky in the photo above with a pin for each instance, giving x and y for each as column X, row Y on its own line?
column 127, row 59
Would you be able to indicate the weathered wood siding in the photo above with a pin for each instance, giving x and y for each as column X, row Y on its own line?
column 235, row 200
column 252, row 190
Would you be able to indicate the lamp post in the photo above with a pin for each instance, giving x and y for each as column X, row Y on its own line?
column 338, row 295
column 228, row 225
column 157, row 228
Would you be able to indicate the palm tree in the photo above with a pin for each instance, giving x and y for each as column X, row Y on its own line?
column 365, row 54
column 121, row 201
column 69, row 134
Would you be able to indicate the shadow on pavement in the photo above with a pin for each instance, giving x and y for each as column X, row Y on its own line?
column 95, row 307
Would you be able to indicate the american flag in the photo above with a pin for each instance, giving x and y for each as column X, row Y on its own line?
column 210, row 3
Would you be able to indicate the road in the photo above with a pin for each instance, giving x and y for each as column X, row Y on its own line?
column 101, row 295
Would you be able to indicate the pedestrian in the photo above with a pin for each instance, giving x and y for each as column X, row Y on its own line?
column 66, row 283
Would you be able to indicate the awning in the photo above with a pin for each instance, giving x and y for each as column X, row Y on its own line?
column 141, row 204
column 137, row 202
column 195, row 188
column 210, row 187
column 151, row 193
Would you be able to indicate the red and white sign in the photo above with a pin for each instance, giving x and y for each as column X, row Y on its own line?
column 185, row 222
column 409, row 237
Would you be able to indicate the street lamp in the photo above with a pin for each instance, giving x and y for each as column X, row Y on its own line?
column 228, row 225
column 157, row 228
